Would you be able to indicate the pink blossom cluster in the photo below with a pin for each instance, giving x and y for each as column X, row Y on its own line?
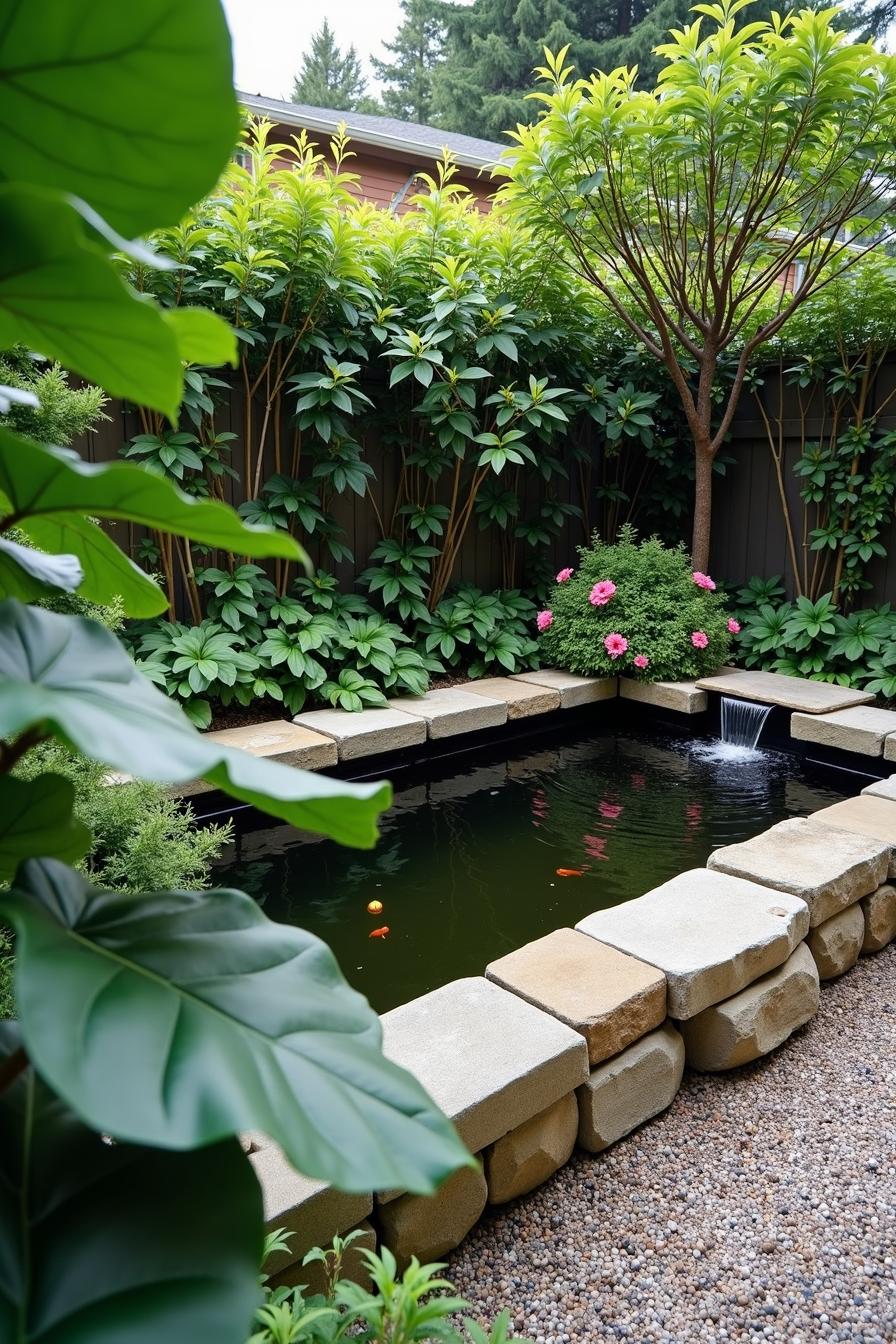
column 544, row 620
column 565, row 575
column 733, row 626
column 615, row 645
column 699, row 639
column 703, row 581
column 601, row 593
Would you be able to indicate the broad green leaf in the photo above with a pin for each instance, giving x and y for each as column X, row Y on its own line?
column 202, row 336
column 130, row 106
column 30, row 575
column 74, row 678
column 107, row 572
column 36, row 481
column 60, row 295
column 175, row 1018
column 36, row 820
column 117, row 1244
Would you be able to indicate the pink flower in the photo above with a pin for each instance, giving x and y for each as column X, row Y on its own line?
column 544, row 620
column 615, row 645
column 699, row 639
column 564, row 576
column 733, row 626
column 641, row 660
column 703, row 581
column 601, row 593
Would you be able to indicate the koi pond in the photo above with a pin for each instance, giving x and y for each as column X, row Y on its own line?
column 493, row 850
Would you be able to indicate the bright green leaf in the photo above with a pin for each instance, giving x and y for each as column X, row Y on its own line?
column 202, row 336
column 107, row 571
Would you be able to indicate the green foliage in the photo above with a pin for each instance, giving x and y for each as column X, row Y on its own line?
column 58, row 412
column 656, row 607
column 483, row 634
column 329, row 77
column 407, row 78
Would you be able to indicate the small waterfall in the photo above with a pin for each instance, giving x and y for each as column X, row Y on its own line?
column 743, row 721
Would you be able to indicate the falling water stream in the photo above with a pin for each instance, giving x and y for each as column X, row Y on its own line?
column 742, row 722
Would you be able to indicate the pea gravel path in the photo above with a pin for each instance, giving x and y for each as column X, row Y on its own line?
column 760, row 1206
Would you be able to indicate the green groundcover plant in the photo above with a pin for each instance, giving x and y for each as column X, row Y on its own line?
column 635, row 608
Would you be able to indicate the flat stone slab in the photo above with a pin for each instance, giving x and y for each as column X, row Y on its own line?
column 710, row 933
column 837, row 943
column 313, row 1211
column 522, row 698
column 684, row 697
column 277, row 740
column 771, row 688
column 757, row 1020
column 862, row 729
column 573, row 690
column 607, row 996
column 367, row 732
column 630, row 1089
column 452, row 710
column 868, row 815
column 489, row 1059
column 879, row 911
column 789, row 857
column 882, row 788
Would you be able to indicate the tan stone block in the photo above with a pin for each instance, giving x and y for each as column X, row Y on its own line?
column 684, row 697
column 867, row 815
column 757, row 1019
column 366, row 733
column 836, row 944
column 879, row 911
column 521, row 697
column 313, row 1277
column 311, row 1210
column 882, row 788
column 772, row 688
column 573, row 690
column 277, row 740
column 626, row 1091
column 532, row 1152
column 453, row 710
column 862, row 729
column 788, row 857
column 606, row 995
column 429, row 1226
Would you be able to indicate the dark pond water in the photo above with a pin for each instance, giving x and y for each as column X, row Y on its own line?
column 466, row 868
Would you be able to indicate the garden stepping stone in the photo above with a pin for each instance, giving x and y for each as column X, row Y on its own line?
column 487, row 1058
column 868, row 815
column 684, row 697
column 367, row 732
column 772, row 688
column 879, row 911
column 836, row 944
column 278, row 741
column 710, row 933
column 757, row 1020
column 630, row 1089
column 312, row 1211
column 574, row 690
column 789, row 857
column 429, row 1226
column 862, row 729
column 522, row 698
column 532, row 1152
column 453, row 710
column 608, row 997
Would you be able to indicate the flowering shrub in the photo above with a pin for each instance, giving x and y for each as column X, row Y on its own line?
column 635, row 608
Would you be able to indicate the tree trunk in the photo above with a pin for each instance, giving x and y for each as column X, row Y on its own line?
column 703, row 459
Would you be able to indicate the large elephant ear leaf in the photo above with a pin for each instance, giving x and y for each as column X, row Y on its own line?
column 36, row 819
column 175, row 1018
column 71, row 677
column 118, row 1244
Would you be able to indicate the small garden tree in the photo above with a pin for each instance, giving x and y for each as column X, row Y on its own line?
column 762, row 149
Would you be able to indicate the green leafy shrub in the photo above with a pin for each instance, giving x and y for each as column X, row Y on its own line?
column 482, row 633
column 651, row 619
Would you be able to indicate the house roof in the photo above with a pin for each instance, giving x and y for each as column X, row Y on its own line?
column 384, row 132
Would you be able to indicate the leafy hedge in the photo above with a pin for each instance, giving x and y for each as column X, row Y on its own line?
column 635, row 608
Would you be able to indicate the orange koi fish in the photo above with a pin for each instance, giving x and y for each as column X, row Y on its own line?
column 570, row 872
column 379, row 933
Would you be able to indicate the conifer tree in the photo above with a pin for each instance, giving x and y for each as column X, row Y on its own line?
column 329, row 77
column 416, row 50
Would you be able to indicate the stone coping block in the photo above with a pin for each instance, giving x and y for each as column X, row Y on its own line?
column 890, row 749
column 429, row 1226
column 453, row 710
column 684, row 697
column 608, row 997
column 489, row 1059
column 837, row 943
column 277, row 740
column 789, row 857
column 879, row 911
column 772, row 688
column 522, row 698
column 710, row 933
column 630, row 1089
column 312, row 1211
column 868, row 815
column 529, row 1155
column 367, row 732
column 862, row 729
column 882, row 788
column 573, row 690
column 757, row 1020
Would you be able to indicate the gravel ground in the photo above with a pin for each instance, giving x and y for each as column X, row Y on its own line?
column 760, row 1206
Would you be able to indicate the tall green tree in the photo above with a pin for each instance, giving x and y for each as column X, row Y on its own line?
column 764, row 147
column 330, row 77
column 417, row 49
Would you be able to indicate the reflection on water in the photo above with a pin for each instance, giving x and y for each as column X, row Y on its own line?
column 466, row 866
